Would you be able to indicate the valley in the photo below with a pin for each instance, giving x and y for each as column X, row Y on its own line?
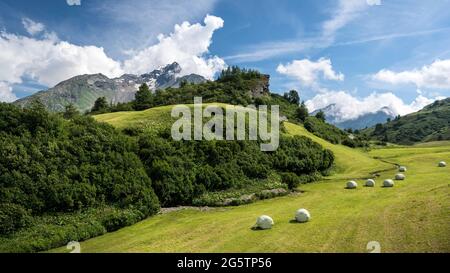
column 410, row 217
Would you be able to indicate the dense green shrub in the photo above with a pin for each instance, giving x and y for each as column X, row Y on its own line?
column 181, row 171
column 291, row 180
column 12, row 217
column 324, row 130
column 115, row 219
column 48, row 164
column 57, row 229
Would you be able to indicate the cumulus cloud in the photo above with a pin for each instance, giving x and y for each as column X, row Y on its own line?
column 188, row 45
column 436, row 75
column 73, row 2
column 48, row 61
column 348, row 107
column 6, row 94
column 32, row 27
column 308, row 72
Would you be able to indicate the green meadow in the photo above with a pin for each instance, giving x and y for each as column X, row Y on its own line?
column 413, row 216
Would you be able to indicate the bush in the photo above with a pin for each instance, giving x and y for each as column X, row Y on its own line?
column 57, row 165
column 55, row 230
column 116, row 219
column 12, row 218
column 291, row 180
column 324, row 130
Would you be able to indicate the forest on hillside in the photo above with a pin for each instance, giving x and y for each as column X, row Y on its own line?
column 67, row 177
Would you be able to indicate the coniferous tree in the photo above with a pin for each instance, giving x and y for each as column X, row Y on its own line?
column 143, row 98
column 70, row 111
column 321, row 116
column 100, row 105
column 302, row 112
column 293, row 97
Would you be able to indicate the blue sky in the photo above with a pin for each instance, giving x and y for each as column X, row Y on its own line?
column 359, row 54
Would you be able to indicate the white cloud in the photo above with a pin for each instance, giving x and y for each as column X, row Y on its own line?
column 73, row 2
column 308, row 72
column 138, row 22
column 373, row 2
column 48, row 61
column 6, row 94
column 188, row 45
column 436, row 75
column 32, row 27
column 346, row 11
column 348, row 107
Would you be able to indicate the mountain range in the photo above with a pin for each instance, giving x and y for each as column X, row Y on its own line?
column 333, row 115
column 432, row 123
column 83, row 90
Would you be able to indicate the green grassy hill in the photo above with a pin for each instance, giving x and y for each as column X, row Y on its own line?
column 429, row 124
column 410, row 217
column 159, row 118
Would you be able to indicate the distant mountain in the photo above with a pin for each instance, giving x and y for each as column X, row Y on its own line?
column 333, row 115
column 83, row 90
column 429, row 124
column 368, row 120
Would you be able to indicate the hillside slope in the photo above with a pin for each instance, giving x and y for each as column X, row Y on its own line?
column 407, row 218
column 158, row 118
column 429, row 124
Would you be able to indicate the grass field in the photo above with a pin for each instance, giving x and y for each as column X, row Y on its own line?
column 413, row 216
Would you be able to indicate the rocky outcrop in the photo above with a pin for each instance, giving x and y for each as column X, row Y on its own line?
column 261, row 88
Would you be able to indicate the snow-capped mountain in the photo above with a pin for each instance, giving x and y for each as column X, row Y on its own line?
column 83, row 90
column 334, row 116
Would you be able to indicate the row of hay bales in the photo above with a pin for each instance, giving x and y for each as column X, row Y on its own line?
column 388, row 183
column 303, row 215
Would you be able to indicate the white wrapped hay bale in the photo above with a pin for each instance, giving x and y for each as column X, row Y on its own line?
column 402, row 169
column 302, row 216
column 264, row 222
column 370, row 183
column 400, row 176
column 388, row 183
column 352, row 185
column 442, row 164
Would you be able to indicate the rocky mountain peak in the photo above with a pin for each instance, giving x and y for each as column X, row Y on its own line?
column 83, row 90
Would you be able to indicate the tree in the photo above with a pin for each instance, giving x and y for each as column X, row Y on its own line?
column 378, row 128
column 100, row 105
column 388, row 120
column 183, row 83
column 302, row 112
column 70, row 111
column 321, row 116
column 292, row 97
column 143, row 98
